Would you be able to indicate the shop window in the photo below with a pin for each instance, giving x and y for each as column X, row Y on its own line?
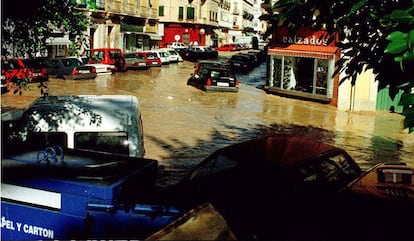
column 161, row 11
column 322, row 70
column 190, row 13
column 180, row 12
column 309, row 75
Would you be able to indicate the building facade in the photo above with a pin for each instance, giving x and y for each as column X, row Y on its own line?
column 127, row 24
column 207, row 22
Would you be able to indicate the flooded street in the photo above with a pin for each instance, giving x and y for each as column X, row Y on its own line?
column 183, row 124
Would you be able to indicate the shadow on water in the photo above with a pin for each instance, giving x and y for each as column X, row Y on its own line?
column 180, row 157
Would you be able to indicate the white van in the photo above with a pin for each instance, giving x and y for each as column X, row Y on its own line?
column 102, row 123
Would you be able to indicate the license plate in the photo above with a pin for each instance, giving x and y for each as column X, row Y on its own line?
column 236, row 64
column 141, row 64
column 154, row 62
column 222, row 84
column 83, row 71
column 36, row 74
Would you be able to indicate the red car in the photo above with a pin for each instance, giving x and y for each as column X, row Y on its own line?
column 38, row 70
column 111, row 56
column 33, row 70
column 152, row 58
column 227, row 47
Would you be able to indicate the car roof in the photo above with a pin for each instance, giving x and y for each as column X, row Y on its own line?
column 276, row 151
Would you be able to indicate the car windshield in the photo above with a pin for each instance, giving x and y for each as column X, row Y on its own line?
column 71, row 62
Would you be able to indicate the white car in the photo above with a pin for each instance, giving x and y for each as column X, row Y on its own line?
column 101, row 69
column 174, row 55
column 163, row 55
column 101, row 123
column 177, row 45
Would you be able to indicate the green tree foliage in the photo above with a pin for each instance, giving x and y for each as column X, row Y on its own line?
column 27, row 25
column 401, row 46
column 363, row 27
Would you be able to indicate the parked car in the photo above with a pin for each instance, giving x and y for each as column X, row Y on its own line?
column 152, row 58
column 215, row 79
column 101, row 123
column 177, row 45
column 135, row 61
column 227, row 47
column 111, row 56
column 32, row 70
column 240, row 63
column 174, row 56
column 283, row 181
column 11, row 69
column 203, row 64
column 70, row 68
column 101, row 69
column 38, row 69
column 196, row 53
column 163, row 55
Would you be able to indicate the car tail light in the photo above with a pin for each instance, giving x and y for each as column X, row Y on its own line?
column 208, row 82
column 237, row 83
column 93, row 70
column 75, row 72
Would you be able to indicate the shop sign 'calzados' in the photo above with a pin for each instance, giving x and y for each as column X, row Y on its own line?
column 305, row 36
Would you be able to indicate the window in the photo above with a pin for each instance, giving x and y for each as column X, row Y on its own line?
column 41, row 140
column 115, row 142
column 190, row 13
column 303, row 74
column 180, row 12
column 161, row 10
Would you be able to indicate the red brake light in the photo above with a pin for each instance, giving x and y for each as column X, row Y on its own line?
column 208, row 82
column 93, row 70
column 75, row 72
column 237, row 83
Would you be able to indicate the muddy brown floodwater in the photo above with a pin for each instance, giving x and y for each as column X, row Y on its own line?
column 183, row 124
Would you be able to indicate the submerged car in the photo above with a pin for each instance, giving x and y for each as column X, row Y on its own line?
column 174, row 56
column 152, row 58
column 135, row 61
column 70, row 68
column 112, row 56
column 214, row 79
column 272, row 188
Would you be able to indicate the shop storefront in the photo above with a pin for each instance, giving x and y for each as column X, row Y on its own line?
column 303, row 65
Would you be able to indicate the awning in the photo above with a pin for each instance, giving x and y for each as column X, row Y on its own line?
column 58, row 41
column 302, row 50
column 219, row 33
column 154, row 36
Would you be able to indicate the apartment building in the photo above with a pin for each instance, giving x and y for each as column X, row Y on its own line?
column 127, row 24
column 149, row 24
column 206, row 22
